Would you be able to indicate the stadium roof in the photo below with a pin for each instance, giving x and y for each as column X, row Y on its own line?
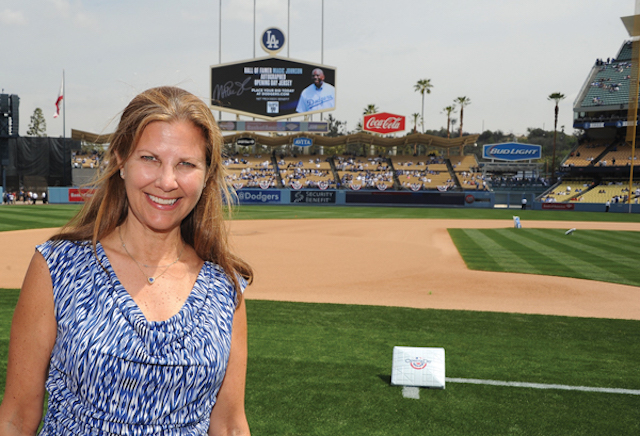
column 357, row 138
column 326, row 141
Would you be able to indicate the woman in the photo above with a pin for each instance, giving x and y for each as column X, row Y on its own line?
column 133, row 315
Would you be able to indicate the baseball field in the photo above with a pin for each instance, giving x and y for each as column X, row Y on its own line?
column 541, row 327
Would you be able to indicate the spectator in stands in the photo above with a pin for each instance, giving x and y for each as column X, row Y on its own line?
column 524, row 203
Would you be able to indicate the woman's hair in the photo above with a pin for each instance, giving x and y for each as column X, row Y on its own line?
column 204, row 228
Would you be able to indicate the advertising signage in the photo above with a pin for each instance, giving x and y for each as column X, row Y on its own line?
column 383, row 122
column 512, row 151
column 273, row 88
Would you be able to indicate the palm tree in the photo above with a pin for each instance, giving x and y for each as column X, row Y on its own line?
column 370, row 109
column 448, row 111
column 415, row 116
column 463, row 102
column 422, row 86
column 556, row 96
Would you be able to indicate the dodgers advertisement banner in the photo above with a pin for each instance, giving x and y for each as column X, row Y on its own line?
column 263, row 196
column 273, row 88
column 314, row 197
column 511, row 151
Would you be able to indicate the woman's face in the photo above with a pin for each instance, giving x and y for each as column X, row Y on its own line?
column 165, row 175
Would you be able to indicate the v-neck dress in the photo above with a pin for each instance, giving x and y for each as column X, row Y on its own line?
column 112, row 372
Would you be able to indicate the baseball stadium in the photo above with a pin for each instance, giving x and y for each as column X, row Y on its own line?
column 361, row 243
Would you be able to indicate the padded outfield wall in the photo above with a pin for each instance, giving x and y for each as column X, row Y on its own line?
column 468, row 199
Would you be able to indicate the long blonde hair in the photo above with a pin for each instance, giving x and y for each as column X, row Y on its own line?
column 204, row 228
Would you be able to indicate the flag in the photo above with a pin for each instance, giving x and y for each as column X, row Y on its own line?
column 59, row 99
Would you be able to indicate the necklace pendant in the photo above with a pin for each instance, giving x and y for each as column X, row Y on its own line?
column 151, row 280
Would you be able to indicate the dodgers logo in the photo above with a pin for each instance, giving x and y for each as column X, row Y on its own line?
column 272, row 40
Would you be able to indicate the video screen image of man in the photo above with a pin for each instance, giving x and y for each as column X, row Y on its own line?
column 317, row 96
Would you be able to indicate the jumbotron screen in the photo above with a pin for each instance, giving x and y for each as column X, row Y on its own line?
column 273, row 88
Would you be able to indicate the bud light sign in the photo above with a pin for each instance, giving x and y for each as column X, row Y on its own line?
column 512, row 151
column 302, row 142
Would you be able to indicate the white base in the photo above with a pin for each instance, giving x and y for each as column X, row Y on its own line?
column 422, row 367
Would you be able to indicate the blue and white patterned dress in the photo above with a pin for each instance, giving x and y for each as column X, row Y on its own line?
column 113, row 372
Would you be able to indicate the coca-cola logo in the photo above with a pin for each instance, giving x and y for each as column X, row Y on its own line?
column 384, row 123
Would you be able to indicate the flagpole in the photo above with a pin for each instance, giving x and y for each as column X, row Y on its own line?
column 66, row 166
column 64, row 111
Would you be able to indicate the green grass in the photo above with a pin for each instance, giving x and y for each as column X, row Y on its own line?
column 608, row 256
column 325, row 369
column 322, row 369
column 307, row 212
column 20, row 217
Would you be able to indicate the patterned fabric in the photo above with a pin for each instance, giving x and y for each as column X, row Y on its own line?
column 113, row 372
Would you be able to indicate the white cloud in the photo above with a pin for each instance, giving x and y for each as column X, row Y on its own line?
column 61, row 5
column 10, row 17
column 83, row 19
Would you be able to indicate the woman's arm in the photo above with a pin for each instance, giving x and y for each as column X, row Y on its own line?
column 228, row 417
column 33, row 333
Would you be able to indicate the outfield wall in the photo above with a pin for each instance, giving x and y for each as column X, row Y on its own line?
column 468, row 199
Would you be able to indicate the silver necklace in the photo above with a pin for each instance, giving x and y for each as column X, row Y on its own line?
column 151, row 280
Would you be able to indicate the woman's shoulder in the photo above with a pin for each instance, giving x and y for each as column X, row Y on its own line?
column 53, row 250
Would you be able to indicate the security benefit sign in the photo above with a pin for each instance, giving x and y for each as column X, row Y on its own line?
column 512, row 151
column 314, row 197
column 273, row 88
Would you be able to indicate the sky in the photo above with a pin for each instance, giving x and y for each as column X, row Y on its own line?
column 507, row 57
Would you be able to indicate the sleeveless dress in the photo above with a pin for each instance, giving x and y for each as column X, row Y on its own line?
column 112, row 372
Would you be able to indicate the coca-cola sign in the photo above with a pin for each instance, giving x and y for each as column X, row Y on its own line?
column 383, row 122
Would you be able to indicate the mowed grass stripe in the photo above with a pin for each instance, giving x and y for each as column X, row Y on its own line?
column 474, row 255
column 18, row 217
column 602, row 259
column 622, row 242
column 574, row 263
column 506, row 255
column 604, row 253
column 616, row 268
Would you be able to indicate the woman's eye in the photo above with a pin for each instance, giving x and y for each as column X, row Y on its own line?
column 148, row 158
column 187, row 164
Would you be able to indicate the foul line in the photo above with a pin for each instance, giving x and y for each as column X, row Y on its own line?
column 543, row 386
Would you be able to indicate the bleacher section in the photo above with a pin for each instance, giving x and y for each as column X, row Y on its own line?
column 568, row 190
column 306, row 172
column 364, row 172
column 353, row 172
column 250, row 171
column 615, row 192
column 585, row 154
column 464, row 169
column 610, row 85
column 620, row 155
column 422, row 172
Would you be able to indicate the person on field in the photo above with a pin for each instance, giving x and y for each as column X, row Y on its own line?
column 133, row 316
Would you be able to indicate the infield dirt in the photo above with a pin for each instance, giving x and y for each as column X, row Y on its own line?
column 408, row 263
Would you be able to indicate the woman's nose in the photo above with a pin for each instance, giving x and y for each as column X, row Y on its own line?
column 167, row 179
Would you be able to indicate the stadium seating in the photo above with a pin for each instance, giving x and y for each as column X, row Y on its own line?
column 585, row 154
column 566, row 191
column 610, row 86
column 615, row 192
column 306, row 172
column 250, row 171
